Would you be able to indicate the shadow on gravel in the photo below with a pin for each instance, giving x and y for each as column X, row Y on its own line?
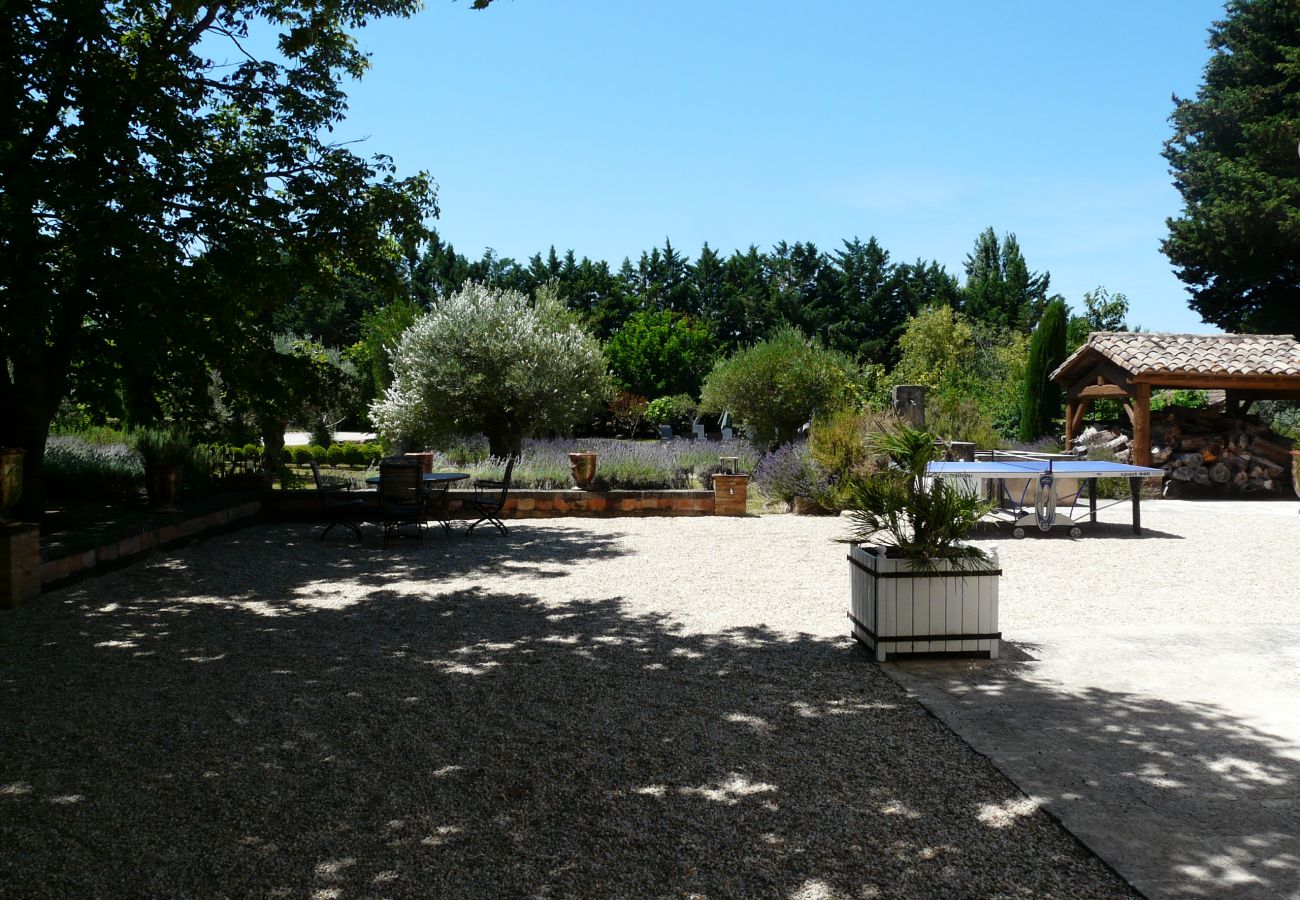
column 230, row 720
column 989, row 531
column 1185, row 799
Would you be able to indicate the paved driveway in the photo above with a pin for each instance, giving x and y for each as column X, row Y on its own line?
column 1151, row 704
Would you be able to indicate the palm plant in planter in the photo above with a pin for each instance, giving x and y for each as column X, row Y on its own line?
column 164, row 451
column 917, row 586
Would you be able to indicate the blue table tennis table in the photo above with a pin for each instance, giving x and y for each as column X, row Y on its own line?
column 1044, row 492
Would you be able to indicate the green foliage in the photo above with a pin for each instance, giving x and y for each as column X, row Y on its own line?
column 1000, row 290
column 1191, row 399
column 170, row 191
column 956, row 417
column 678, row 411
column 1102, row 311
column 316, row 452
column 779, row 384
column 335, row 455
column 918, row 518
column 629, row 412
column 1041, row 396
column 656, row 353
column 972, row 374
column 487, row 360
column 1233, row 157
column 162, row 446
column 78, row 470
column 840, row 442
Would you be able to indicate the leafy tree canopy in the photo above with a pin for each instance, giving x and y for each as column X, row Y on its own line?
column 999, row 288
column 487, row 360
column 657, row 354
column 1102, row 311
column 1236, row 243
column 778, row 385
column 144, row 148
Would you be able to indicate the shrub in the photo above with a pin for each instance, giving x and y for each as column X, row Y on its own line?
column 336, row 455
column 80, row 470
column 779, row 384
column 162, row 446
column 956, row 418
column 354, row 454
column 316, row 452
column 789, row 472
column 840, row 442
column 678, row 411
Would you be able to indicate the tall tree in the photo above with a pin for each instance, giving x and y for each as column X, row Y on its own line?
column 658, row 353
column 1000, row 289
column 1236, row 244
column 126, row 154
column 1041, row 398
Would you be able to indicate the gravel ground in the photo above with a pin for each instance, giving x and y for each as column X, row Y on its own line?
column 619, row 707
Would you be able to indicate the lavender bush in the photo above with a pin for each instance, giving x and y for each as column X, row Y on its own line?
column 789, row 471
column 621, row 465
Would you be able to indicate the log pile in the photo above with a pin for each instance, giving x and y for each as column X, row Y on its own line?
column 1205, row 448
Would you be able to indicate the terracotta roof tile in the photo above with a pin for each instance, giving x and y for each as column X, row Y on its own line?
column 1149, row 353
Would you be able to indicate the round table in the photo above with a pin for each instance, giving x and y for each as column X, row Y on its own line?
column 436, row 485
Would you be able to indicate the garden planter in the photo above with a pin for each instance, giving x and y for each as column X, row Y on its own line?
column 898, row 610
column 11, row 480
column 163, row 485
column 583, row 467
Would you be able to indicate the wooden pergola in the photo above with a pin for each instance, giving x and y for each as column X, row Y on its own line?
column 1127, row 366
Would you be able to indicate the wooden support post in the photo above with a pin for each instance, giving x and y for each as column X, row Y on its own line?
column 1142, row 426
column 1070, row 406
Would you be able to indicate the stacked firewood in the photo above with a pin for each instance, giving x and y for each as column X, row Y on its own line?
column 1205, row 447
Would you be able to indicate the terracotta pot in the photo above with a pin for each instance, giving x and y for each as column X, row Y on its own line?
column 11, row 480
column 163, row 485
column 583, row 467
column 1295, row 472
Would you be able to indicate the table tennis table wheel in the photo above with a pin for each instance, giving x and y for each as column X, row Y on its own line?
column 1017, row 532
column 1076, row 532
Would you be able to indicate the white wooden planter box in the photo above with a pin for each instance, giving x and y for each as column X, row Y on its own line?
column 896, row 609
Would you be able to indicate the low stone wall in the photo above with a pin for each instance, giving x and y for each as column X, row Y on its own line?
column 523, row 504
column 62, row 561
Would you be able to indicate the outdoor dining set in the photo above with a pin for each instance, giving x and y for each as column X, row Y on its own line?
column 408, row 494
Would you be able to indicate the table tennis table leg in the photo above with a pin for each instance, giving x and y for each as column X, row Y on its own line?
column 1135, row 485
column 1092, row 500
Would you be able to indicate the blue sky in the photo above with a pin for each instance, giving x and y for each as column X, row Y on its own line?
column 607, row 126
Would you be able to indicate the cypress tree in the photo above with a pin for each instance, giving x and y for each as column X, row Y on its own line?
column 1042, row 398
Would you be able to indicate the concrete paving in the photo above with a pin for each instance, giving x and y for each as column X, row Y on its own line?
column 1170, row 747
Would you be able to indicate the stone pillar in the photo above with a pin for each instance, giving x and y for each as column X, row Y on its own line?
column 424, row 459
column 730, row 494
column 20, row 564
column 909, row 404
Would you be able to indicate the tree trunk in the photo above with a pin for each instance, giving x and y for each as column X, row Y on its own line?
column 25, row 417
column 502, row 444
column 272, row 443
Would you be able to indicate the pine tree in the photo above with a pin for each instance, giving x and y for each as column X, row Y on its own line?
column 1236, row 244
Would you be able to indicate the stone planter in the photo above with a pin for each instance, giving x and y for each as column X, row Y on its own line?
column 11, row 480
column 897, row 610
column 583, row 467
column 163, row 485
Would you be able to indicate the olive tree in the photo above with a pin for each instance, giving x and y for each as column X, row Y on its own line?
column 490, row 360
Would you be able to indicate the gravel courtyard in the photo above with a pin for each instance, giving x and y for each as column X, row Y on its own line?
column 630, row 707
